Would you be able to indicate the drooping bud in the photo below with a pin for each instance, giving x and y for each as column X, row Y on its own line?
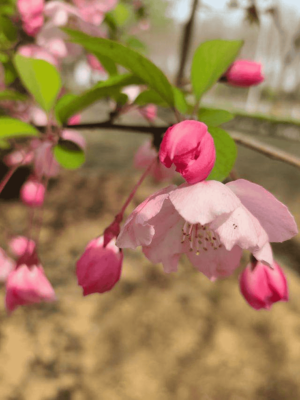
column 75, row 119
column 99, row 268
column 149, row 112
column 27, row 284
column 20, row 245
column 6, row 265
column 33, row 193
column 244, row 73
column 190, row 147
column 262, row 286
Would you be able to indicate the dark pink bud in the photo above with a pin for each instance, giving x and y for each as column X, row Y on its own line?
column 99, row 268
column 75, row 119
column 33, row 193
column 262, row 286
column 27, row 284
column 244, row 73
column 191, row 148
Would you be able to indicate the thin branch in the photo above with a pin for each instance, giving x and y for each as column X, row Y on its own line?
column 267, row 150
column 186, row 42
column 158, row 131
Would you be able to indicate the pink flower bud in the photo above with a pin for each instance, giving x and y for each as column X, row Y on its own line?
column 191, row 148
column 94, row 63
column 244, row 73
column 99, row 268
column 75, row 137
column 27, row 284
column 20, row 245
column 6, row 265
column 18, row 157
column 75, row 119
column 149, row 112
column 262, row 286
column 33, row 193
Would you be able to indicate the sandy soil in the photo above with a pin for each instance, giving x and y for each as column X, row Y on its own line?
column 155, row 336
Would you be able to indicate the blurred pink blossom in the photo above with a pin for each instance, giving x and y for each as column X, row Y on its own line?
column 145, row 156
column 33, row 193
column 6, row 265
column 44, row 161
column 34, row 51
column 94, row 63
column 75, row 137
column 31, row 12
column 20, row 245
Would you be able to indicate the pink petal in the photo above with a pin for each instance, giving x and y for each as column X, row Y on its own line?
column 264, row 254
column 216, row 263
column 203, row 201
column 274, row 216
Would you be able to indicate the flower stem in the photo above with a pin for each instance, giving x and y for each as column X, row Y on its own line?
column 7, row 177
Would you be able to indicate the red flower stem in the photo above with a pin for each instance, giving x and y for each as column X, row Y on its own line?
column 119, row 216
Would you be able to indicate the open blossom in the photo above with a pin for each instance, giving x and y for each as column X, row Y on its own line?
column 190, row 147
column 27, row 284
column 210, row 222
column 244, row 73
column 34, row 51
column 263, row 286
column 145, row 155
column 20, row 245
column 33, row 193
column 99, row 268
column 31, row 12
column 6, row 265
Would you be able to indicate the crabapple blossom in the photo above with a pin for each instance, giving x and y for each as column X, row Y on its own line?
column 33, row 193
column 190, row 147
column 75, row 137
column 210, row 222
column 99, row 268
column 263, row 286
column 34, row 51
column 6, row 265
column 31, row 12
column 145, row 155
column 27, row 284
column 44, row 161
column 20, row 245
column 18, row 157
column 149, row 112
column 244, row 73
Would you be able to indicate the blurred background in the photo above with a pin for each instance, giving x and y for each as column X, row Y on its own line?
column 157, row 336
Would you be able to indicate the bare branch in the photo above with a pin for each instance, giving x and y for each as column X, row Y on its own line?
column 267, row 150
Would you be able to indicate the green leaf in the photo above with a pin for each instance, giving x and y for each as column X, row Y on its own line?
column 8, row 29
column 11, row 95
column 4, row 144
column 109, row 66
column 180, row 101
column 67, row 157
column 151, row 97
column 121, row 14
column 69, row 105
column 40, row 78
column 214, row 117
column 211, row 60
column 226, row 153
column 130, row 59
column 136, row 44
column 10, row 73
column 10, row 127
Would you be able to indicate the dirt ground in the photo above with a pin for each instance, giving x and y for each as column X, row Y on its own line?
column 155, row 336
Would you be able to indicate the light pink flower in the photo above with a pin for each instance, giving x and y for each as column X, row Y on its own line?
column 244, row 73
column 34, row 51
column 75, row 137
column 191, row 148
column 210, row 222
column 145, row 156
column 18, row 157
column 20, row 245
column 99, row 268
column 6, row 265
column 94, row 63
column 149, row 112
column 44, row 161
column 59, row 12
column 27, row 284
column 262, row 286
column 93, row 11
column 33, row 193
column 132, row 92
column 31, row 12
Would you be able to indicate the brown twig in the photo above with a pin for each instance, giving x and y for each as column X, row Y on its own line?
column 267, row 150
column 186, row 42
